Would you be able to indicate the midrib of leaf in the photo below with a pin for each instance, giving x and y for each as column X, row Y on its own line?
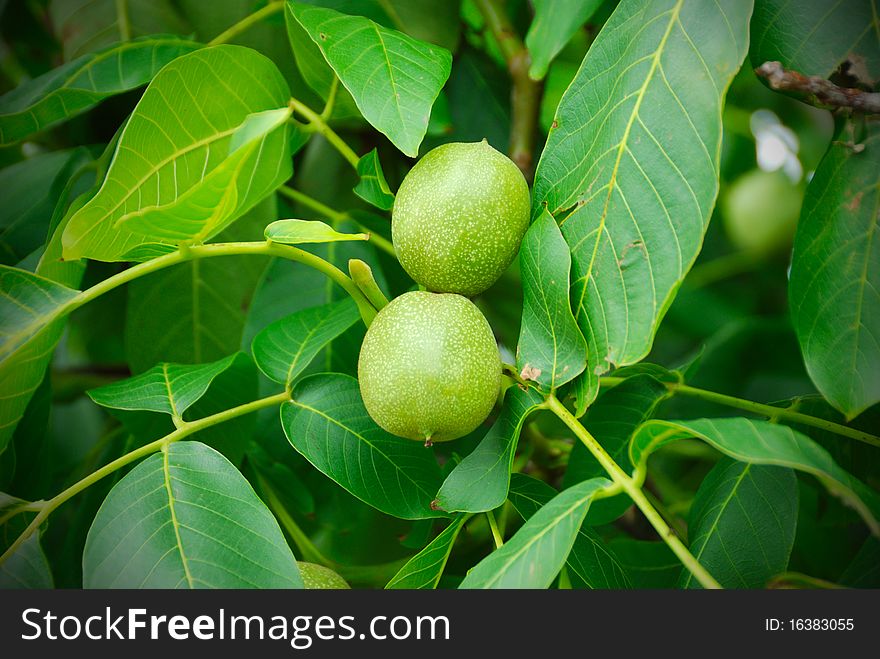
column 850, row 496
column 174, row 523
column 170, row 393
column 546, row 305
column 328, row 297
column 302, row 345
column 552, row 525
column 122, row 20
column 720, row 511
column 622, row 147
column 396, row 95
column 397, row 468
column 87, row 67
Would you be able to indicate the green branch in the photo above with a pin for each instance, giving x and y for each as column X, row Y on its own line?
column 191, row 253
column 525, row 98
column 371, row 575
column 304, row 544
column 632, row 488
column 493, row 526
column 245, row 23
column 312, row 203
column 186, row 428
column 761, row 409
column 319, row 125
column 122, row 20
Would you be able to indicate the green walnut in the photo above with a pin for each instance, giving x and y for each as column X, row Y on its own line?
column 761, row 210
column 459, row 217
column 429, row 367
column 318, row 577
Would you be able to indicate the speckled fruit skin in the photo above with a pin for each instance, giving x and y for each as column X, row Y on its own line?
column 459, row 217
column 318, row 577
column 429, row 367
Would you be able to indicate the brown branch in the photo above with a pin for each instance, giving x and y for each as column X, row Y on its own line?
column 819, row 91
column 525, row 97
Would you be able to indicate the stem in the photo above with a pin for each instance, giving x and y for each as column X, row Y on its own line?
column 224, row 37
column 370, row 575
column 186, row 428
column 317, row 122
column 761, row 409
column 302, row 541
column 224, row 249
column 668, row 517
column 525, row 97
column 337, row 216
column 635, row 493
column 310, row 202
column 331, row 99
column 122, row 20
column 799, row 580
column 496, row 534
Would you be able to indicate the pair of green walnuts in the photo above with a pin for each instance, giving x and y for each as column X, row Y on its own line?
column 429, row 366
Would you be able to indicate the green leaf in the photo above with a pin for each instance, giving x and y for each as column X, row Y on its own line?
column 28, row 303
column 394, row 79
column 537, row 551
column 763, row 443
column 195, row 312
column 315, row 70
column 213, row 202
column 83, row 26
column 864, row 570
column 423, row 571
column 176, row 174
column 22, row 371
column 742, row 523
column 834, row 287
column 296, row 232
column 77, row 86
column 373, row 188
column 286, row 347
column 40, row 182
column 631, row 168
column 328, row 424
column 167, row 388
column 648, row 564
column 551, row 348
column 815, row 38
column 554, row 24
column 186, row 518
column 480, row 481
column 27, row 567
column 591, row 563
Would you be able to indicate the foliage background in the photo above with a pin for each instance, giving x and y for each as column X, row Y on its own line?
column 729, row 328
